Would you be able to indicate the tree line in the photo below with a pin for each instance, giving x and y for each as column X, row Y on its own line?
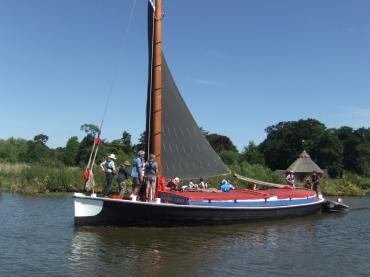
column 333, row 149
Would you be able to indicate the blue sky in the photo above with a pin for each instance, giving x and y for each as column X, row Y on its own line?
column 241, row 65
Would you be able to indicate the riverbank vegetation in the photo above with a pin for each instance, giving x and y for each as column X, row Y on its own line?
column 30, row 166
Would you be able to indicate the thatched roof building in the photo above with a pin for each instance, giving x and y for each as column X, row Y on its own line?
column 304, row 166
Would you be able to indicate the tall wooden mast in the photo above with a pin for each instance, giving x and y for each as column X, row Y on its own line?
column 157, row 86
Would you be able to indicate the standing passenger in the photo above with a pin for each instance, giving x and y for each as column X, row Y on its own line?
column 315, row 182
column 307, row 183
column 122, row 177
column 137, row 173
column 290, row 178
column 151, row 168
column 109, row 169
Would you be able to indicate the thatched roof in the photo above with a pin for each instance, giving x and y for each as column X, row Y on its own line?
column 304, row 164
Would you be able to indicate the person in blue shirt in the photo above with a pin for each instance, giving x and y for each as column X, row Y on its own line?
column 225, row 186
column 137, row 173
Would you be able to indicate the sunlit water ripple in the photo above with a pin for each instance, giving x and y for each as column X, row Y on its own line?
column 38, row 238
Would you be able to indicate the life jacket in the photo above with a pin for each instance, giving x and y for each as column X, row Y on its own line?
column 150, row 168
column 108, row 166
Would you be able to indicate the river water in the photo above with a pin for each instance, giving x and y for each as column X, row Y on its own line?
column 38, row 238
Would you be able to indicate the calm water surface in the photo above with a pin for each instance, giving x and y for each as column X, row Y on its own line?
column 37, row 238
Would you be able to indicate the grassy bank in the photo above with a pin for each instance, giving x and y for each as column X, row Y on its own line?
column 23, row 178
column 349, row 185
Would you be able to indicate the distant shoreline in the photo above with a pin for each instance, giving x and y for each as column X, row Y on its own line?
column 39, row 179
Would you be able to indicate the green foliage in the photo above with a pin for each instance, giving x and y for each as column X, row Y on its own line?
column 330, row 153
column 13, row 150
column 142, row 142
column 42, row 179
column 37, row 152
column 126, row 142
column 90, row 129
column 71, row 151
column 341, row 187
column 229, row 157
column 258, row 172
column 284, row 141
column 252, row 154
column 220, row 143
column 84, row 150
column 41, row 138
column 337, row 150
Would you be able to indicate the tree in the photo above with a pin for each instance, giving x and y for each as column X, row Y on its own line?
column 363, row 151
column 229, row 157
column 71, row 151
column 90, row 129
column 42, row 139
column 252, row 154
column 84, row 150
column 349, row 141
column 221, row 143
column 284, row 141
column 13, row 150
column 38, row 152
column 330, row 153
column 126, row 142
column 142, row 142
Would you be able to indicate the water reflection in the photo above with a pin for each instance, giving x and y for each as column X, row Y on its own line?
column 199, row 250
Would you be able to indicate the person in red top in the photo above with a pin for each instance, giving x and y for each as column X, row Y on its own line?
column 173, row 184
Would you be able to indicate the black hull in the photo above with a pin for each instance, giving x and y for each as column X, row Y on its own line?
column 130, row 213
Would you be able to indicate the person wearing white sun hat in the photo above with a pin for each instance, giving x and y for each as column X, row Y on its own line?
column 109, row 169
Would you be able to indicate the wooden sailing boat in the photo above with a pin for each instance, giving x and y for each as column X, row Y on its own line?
column 183, row 151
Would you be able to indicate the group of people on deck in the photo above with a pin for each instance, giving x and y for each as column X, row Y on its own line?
column 143, row 173
column 144, row 178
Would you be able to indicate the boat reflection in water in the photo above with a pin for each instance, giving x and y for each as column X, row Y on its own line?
column 190, row 250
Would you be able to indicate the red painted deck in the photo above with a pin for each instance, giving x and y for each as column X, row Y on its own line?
column 245, row 194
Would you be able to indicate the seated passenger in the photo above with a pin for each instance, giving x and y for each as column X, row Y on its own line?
column 225, row 186
column 192, row 185
column 202, row 184
column 173, row 184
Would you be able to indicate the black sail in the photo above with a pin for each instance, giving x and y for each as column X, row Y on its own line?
column 186, row 152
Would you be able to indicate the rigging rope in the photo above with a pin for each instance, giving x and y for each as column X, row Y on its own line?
column 116, row 65
column 88, row 175
column 257, row 182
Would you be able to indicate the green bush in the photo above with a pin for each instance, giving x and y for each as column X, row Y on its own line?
column 42, row 179
column 341, row 187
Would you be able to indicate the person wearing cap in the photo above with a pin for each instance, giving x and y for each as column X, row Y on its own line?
column 150, row 175
column 122, row 177
column 109, row 169
column 137, row 173
column 290, row 178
